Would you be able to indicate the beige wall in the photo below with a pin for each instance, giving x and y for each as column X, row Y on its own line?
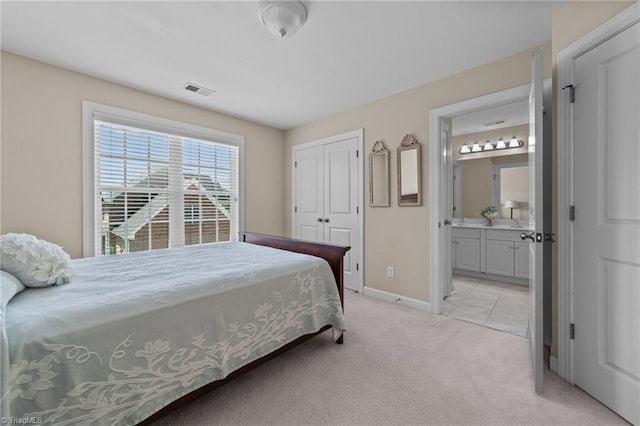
column 42, row 148
column 476, row 169
column 570, row 23
column 399, row 236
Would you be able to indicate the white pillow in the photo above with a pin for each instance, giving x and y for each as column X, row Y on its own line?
column 36, row 263
column 9, row 287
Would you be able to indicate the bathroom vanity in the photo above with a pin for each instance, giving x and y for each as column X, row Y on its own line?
column 491, row 252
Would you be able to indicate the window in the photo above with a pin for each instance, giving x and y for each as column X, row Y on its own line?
column 151, row 183
column 192, row 213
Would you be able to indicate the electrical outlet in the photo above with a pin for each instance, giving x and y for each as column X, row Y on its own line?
column 391, row 272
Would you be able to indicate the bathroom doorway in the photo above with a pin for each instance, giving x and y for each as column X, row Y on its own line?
column 490, row 170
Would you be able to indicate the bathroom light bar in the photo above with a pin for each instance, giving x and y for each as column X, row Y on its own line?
column 488, row 146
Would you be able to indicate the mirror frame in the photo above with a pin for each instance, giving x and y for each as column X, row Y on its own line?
column 380, row 150
column 409, row 143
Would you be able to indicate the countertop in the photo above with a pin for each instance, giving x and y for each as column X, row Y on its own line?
column 506, row 224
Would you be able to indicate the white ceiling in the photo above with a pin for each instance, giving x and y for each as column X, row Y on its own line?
column 513, row 114
column 347, row 54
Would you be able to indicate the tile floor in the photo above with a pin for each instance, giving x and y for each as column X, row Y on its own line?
column 497, row 305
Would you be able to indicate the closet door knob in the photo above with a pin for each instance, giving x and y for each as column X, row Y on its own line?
column 319, row 219
column 326, row 220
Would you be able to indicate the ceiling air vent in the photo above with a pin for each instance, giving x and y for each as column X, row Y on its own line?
column 198, row 89
column 495, row 123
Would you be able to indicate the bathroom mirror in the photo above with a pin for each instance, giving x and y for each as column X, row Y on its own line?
column 379, row 176
column 409, row 172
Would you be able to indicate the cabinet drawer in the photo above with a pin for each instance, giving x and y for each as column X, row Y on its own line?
column 504, row 234
column 466, row 233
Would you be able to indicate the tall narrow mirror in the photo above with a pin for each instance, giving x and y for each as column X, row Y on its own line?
column 379, row 176
column 409, row 173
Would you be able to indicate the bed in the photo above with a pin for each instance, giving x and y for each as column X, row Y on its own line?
column 132, row 337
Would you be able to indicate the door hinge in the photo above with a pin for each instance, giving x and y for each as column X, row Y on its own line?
column 295, row 164
column 357, row 210
column 572, row 213
column 295, row 209
column 572, row 92
column 357, row 266
column 550, row 237
column 572, row 331
column 357, row 153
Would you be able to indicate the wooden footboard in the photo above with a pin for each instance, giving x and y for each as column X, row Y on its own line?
column 334, row 255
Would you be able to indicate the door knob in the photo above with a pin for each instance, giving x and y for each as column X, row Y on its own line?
column 319, row 219
column 326, row 220
column 530, row 236
column 447, row 222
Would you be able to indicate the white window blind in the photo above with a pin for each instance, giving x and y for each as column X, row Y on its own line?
column 155, row 189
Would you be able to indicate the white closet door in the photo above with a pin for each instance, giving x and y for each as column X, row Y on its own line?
column 326, row 205
column 341, row 202
column 309, row 200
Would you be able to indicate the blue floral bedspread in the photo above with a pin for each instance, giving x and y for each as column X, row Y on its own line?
column 132, row 333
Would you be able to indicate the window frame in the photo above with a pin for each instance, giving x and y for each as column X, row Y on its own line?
column 92, row 111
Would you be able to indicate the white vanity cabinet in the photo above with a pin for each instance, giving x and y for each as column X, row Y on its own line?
column 506, row 253
column 490, row 253
column 466, row 249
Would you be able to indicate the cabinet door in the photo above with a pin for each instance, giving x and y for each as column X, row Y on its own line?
column 521, row 262
column 500, row 257
column 468, row 254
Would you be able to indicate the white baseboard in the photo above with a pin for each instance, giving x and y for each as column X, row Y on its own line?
column 390, row 297
column 553, row 364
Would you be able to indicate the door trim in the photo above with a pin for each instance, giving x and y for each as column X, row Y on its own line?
column 359, row 135
column 436, row 256
column 565, row 146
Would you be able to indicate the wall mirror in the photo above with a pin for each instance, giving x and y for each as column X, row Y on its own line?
column 379, row 195
column 409, row 172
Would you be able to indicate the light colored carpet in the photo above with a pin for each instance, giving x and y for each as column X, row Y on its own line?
column 398, row 366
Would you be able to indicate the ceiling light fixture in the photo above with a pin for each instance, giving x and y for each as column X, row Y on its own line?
column 282, row 18
column 476, row 147
column 488, row 146
column 514, row 143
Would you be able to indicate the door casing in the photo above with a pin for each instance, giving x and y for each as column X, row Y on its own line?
column 437, row 275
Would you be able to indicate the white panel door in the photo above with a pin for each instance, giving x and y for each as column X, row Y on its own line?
column 341, row 203
column 536, row 219
column 607, row 223
column 326, row 204
column 309, row 196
